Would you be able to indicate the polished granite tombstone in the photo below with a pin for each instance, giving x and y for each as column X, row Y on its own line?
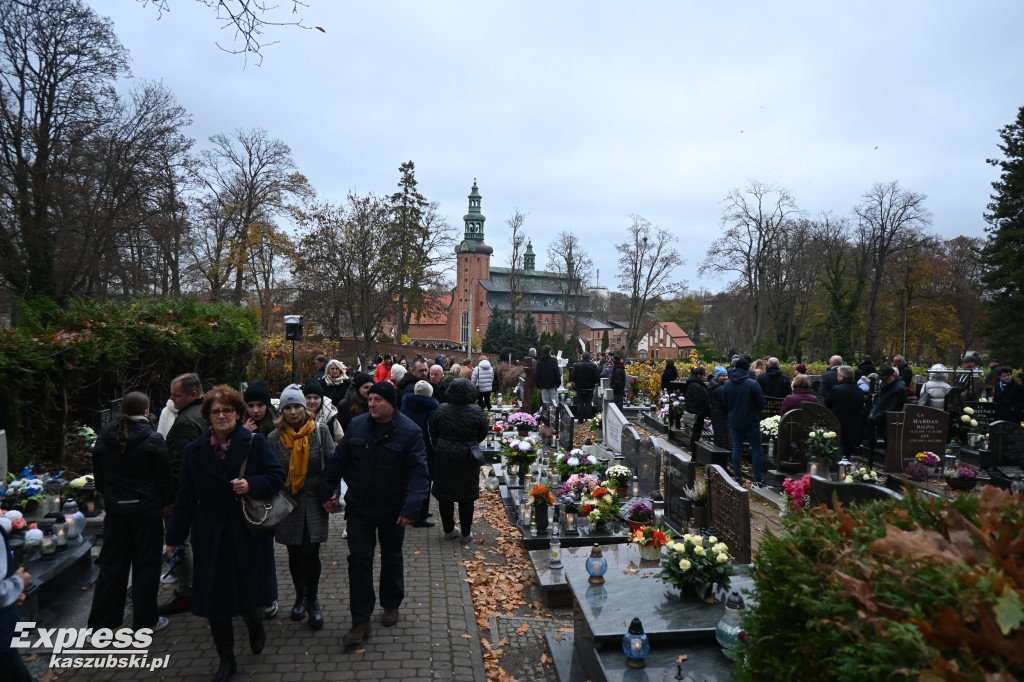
column 554, row 585
column 587, row 534
column 703, row 663
column 674, row 625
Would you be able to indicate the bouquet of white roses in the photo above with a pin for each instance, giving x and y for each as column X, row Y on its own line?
column 861, row 475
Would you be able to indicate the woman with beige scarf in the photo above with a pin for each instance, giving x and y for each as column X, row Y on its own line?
column 302, row 446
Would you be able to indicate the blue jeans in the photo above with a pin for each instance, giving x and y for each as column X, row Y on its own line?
column 549, row 396
column 362, row 543
column 751, row 435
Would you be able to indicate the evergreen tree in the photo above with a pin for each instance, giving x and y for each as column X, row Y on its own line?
column 500, row 336
column 1003, row 254
column 545, row 340
column 528, row 335
column 604, row 341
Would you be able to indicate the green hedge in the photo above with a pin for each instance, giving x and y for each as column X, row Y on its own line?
column 60, row 366
column 902, row 589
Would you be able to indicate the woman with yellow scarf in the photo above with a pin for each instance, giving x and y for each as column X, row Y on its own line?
column 302, row 446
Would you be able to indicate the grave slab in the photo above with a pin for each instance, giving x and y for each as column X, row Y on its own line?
column 924, row 429
column 1006, row 441
column 729, row 509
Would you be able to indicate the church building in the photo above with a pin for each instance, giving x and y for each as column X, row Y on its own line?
column 481, row 288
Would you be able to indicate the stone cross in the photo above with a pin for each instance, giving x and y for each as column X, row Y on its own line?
column 562, row 362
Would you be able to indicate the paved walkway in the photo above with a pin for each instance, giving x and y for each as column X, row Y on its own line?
column 436, row 639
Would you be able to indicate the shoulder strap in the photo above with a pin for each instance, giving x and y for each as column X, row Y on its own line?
column 241, row 471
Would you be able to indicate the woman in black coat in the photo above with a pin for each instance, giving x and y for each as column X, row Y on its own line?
column 698, row 403
column 134, row 476
column 669, row 375
column 718, row 411
column 618, row 380
column 234, row 573
column 459, row 425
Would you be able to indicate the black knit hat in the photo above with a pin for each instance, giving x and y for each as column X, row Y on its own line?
column 359, row 379
column 386, row 390
column 313, row 387
column 257, row 392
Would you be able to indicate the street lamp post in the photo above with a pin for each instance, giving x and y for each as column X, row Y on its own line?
column 293, row 331
column 905, row 329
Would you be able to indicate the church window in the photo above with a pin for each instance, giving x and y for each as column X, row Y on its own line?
column 465, row 327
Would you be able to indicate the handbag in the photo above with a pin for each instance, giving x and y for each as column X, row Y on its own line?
column 477, row 455
column 262, row 514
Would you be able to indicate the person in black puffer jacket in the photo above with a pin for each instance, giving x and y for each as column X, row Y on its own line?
column 698, row 403
column 133, row 474
column 719, row 415
column 459, row 425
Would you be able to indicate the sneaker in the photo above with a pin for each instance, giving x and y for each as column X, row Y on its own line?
column 757, row 484
column 451, row 535
column 168, row 580
column 466, row 539
column 270, row 611
column 344, row 534
column 161, row 623
column 390, row 618
column 360, row 632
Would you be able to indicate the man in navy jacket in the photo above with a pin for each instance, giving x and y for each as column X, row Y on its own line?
column 744, row 400
column 383, row 461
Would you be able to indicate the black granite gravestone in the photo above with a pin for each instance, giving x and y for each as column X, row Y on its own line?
column 822, row 492
column 791, row 443
column 630, row 445
column 954, row 400
column 729, row 507
column 678, row 474
column 566, row 423
column 984, row 413
column 772, row 407
column 925, row 429
column 822, row 418
column 1006, row 440
column 648, row 467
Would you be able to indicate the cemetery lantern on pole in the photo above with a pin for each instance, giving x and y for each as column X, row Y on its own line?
column 293, row 331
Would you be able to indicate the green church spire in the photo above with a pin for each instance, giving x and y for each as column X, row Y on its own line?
column 529, row 258
column 474, row 219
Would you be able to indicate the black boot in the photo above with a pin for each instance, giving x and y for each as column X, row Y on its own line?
column 224, row 640
column 299, row 610
column 257, row 635
column 316, row 618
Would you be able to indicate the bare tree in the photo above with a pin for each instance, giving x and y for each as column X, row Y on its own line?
column 647, row 261
column 757, row 220
column 891, row 220
column 248, row 19
column 572, row 264
column 515, row 264
column 58, row 59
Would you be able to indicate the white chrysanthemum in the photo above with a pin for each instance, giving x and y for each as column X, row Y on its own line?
column 591, row 460
column 607, row 498
column 573, row 461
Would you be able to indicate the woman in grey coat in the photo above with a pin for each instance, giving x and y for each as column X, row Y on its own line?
column 302, row 446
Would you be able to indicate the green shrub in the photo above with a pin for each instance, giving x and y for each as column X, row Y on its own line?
column 61, row 366
column 901, row 589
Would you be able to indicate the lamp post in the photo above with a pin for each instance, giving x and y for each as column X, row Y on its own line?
column 905, row 329
column 293, row 331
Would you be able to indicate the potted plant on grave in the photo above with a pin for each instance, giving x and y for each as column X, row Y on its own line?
column 930, row 460
column 520, row 453
column 541, row 498
column 523, row 422
column 824, row 445
column 24, row 493
column 796, row 494
column 697, row 566
column 638, row 514
column 600, row 505
column 961, row 478
column 697, row 494
column 861, row 475
column 650, row 540
column 595, row 426
column 619, row 477
column 574, row 462
column 917, row 471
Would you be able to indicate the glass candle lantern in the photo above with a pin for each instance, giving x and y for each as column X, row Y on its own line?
column 844, row 468
column 814, row 467
column 635, row 487
column 49, row 546
column 75, row 520
column 60, row 533
column 526, row 514
column 729, row 627
column 635, row 645
column 597, row 565
column 555, row 558
column 570, row 522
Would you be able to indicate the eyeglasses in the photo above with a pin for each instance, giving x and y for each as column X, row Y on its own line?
column 227, row 412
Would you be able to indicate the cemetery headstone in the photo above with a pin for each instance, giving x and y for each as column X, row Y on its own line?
column 772, row 407
column 630, row 440
column 613, row 423
column 791, row 443
column 1006, row 440
column 955, row 401
column 729, row 508
column 985, row 413
column 822, row 418
column 630, row 390
column 893, row 448
column 925, row 429
column 679, row 474
column 648, row 458
column 4, row 462
column 566, row 424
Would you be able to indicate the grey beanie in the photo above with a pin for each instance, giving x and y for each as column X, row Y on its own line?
column 423, row 388
column 292, row 395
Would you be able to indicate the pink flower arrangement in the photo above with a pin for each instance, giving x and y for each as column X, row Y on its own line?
column 798, row 491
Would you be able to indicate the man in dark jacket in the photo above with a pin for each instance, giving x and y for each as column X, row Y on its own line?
column 436, row 376
column 698, row 403
column 891, row 398
column 744, row 401
column 774, row 382
column 420, row 405
column 417, row 372
column 382, row 458
column 187, row 395
column 547, row 377
column 584, row 375
column 1009, row 397
column 904, row 370
column 830, row 376
column 846, row 401
column 992, row 378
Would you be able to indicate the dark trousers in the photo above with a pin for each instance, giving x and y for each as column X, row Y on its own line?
column 447, row 511
column 12, row 667
column 363, row 534
column 751, row 435
column 698, row 431
column 304, row 565
column 584, row 405
column 484, row 400
column 130, row 542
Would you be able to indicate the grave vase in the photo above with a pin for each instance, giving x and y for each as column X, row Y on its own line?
column 523, row 433
column 540, row 517
column 700, row 515
column 650, row 552
column 634, row 526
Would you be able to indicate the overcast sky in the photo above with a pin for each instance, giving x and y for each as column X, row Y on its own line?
column 581, row 113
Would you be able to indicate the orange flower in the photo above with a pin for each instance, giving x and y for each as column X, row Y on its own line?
column 599, row 492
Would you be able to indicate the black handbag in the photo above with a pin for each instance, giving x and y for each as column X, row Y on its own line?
column 477, row 455
column 262, row 514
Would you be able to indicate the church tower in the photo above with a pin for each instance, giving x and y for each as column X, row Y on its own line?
column 529, row 258
column 469, row 309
